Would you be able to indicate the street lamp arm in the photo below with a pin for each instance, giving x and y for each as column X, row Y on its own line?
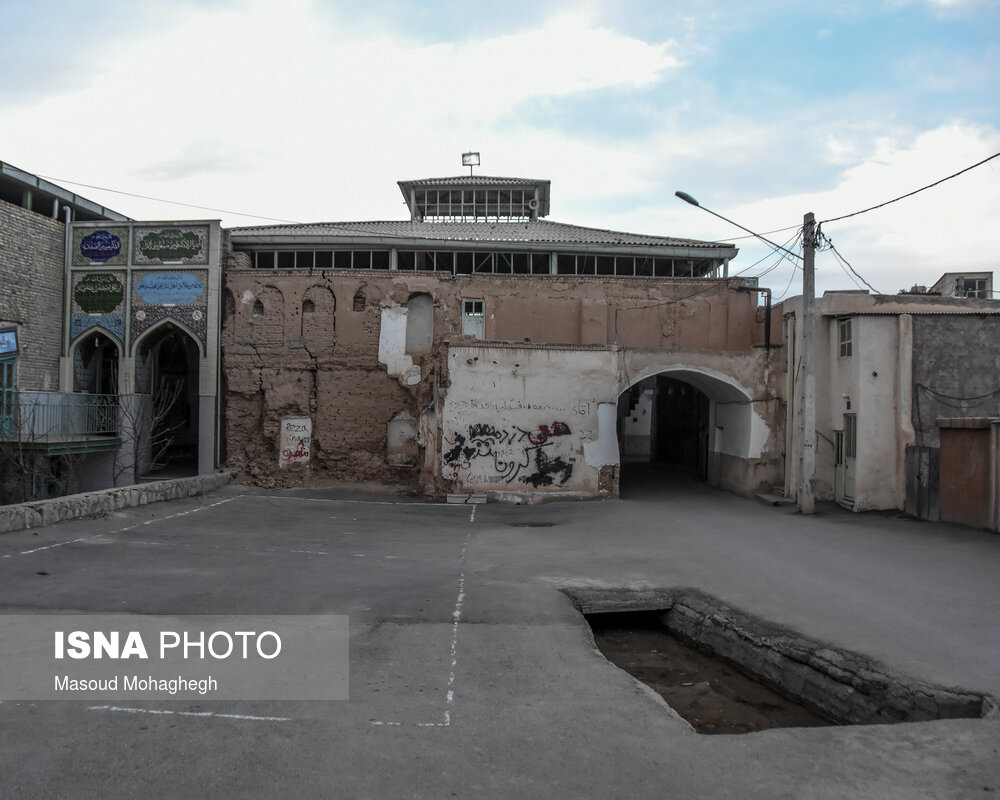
column 689, row 199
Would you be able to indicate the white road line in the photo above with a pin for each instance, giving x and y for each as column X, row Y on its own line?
column 354, row 502
column 244, row 717
column 123, row 530
column 456, row 618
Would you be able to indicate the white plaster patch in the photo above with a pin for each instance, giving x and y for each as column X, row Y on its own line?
column 247, row 298
column 603, row 451
column 392, row 346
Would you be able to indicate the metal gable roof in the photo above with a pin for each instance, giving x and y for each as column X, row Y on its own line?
column 543, row 233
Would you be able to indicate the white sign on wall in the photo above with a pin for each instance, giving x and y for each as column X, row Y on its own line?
column 296, row 441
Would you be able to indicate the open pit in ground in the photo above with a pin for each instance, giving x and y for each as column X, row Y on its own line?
column 726, row 671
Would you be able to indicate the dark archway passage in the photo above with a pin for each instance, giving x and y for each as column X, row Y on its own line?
column 678, row 426
column 167, row 362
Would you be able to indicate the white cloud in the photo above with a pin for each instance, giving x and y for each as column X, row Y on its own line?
column 948, row 228
column 293, row 112
column 288, row 110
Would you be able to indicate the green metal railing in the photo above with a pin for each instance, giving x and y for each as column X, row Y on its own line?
column 50, row 417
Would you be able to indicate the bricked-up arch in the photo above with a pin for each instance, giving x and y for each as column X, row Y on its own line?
column 420, row 324
column 318, row 322
column 267, row 318
column 686, row 420
column 228, row 309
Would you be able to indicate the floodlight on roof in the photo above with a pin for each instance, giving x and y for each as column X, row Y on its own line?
column 470, row 160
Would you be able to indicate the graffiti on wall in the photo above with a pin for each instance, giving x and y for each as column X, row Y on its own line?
column 295, row 442
column 507, row 454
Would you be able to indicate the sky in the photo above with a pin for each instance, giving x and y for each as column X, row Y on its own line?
column 257, row 112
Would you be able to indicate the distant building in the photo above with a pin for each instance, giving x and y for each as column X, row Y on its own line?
column 888, row 370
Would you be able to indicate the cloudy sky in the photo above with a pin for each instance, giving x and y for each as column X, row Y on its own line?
column 255, row 111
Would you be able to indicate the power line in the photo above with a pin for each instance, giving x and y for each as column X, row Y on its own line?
column 853, row 271
column 172, row 202
column 910, row 194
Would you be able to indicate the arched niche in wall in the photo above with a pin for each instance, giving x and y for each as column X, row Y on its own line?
column 318, row 320
column 420, row 325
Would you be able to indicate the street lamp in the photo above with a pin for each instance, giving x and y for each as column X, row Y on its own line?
column 807, row 409
column 689, row 199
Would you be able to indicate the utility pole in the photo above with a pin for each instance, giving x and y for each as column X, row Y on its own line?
column 807, row 433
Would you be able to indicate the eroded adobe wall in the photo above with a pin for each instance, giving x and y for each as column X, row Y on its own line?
column 307, row 345
column 350, row 351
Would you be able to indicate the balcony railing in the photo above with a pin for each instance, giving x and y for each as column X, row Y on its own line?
column 51, row 419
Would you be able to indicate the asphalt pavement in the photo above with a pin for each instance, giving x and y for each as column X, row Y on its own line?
column 472, row 674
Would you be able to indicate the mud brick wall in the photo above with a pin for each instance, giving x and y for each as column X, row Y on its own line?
column 31, row 261
column 337, row 346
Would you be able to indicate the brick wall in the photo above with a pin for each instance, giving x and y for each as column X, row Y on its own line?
column 31, row 264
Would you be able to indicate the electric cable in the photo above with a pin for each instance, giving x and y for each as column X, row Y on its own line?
column 171, row 202
column 910, row 194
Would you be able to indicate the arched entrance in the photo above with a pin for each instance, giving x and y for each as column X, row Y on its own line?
column 166, row 377
column 679, row 425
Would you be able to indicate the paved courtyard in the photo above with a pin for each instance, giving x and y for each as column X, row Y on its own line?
column 473, row 675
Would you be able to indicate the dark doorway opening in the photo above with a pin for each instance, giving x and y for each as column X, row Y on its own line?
column 681, row 426
column 663, row 434
column 167, row 371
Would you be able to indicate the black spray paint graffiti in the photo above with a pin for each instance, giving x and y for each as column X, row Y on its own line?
column 512, row 450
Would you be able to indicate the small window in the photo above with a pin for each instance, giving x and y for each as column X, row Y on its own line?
column 850, row 436
column 286, row 259
column 975, row 287
column 846, row 341
column 474, row 318
column 359, row 301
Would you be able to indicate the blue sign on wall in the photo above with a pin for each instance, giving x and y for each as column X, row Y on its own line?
column 100, row 246
column 8, row 342
column 169, row 288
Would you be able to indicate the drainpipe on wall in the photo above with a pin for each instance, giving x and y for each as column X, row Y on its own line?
column 767, row 311
column 904, row 402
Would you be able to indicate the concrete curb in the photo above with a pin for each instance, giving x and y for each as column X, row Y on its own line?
column 38, row 514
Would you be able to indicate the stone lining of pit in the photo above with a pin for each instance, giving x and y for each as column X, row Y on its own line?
column 845, row 686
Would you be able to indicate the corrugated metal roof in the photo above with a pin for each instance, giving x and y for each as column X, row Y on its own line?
column 541, row 232
column 475, row 181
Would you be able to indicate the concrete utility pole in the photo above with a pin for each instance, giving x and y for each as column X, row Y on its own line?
column 807, row 433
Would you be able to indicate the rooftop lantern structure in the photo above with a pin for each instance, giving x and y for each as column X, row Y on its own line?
column 476, row 198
